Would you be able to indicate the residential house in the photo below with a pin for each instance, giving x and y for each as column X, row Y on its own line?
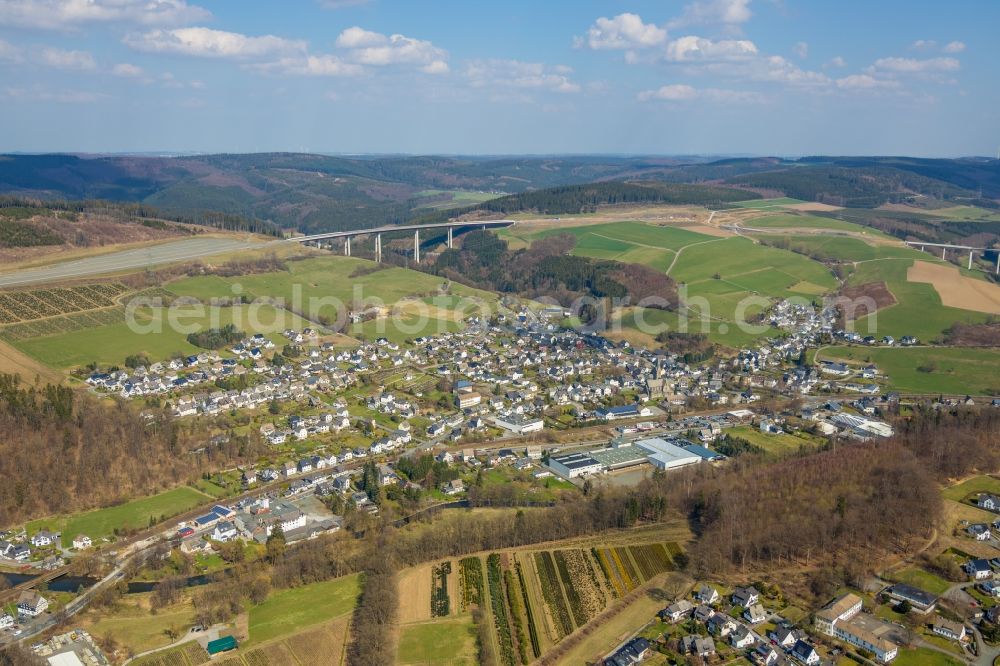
column 698, row 645
column 677, row 611
column 703, row 613
column 951, row 630
column 989, row 502
column 225, row 531
column 453, row 487
column 43, row 538
column 31, row 604
column 978, row 569
column 764, row 655
column 804, row 653
column 707, row 594
column 979, row 531
column 742, row 637
column 746, row 596
column 82, row 541
column 755, row 614
column 721, row 625
column 784, row 637
column 6, row 621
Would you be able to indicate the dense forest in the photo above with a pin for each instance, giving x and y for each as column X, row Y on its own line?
column 853, row 187
column 586, row 198
column 64, row 451
column 18, row 209
column 546, row 269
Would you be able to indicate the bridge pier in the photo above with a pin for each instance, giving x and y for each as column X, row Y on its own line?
column 378, row 248
column 970, row 260
column 451, row 242
column 416, row 246
column 998, row 263
column 347, row 246
column 922, row 248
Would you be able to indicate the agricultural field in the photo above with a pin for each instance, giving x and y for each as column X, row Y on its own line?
column 793, row 221
column 950, row 370
column 29, row 305
column 964, row 214
column 918, row 311
column 843, row 248
column 764, row 204
column 153, row 332
column 287, row 611
column 136, row 514
column 450, row 642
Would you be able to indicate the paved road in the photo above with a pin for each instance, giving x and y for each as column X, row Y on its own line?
column 179, row 250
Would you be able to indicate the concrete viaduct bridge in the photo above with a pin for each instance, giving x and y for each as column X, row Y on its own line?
column 415, row 228
column 964, row 248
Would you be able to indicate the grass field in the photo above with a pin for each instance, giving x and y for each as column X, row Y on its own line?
column 768, row 203
column 135, row 514
column 155, row 334
column 647, row 323
column 842, row 248
column 775, row 445
column 925, row 657
column 446, row 641
column 289, row 611
column 458, row 198
column 133, row 625
column 791, row 220
column 923, row 579
column 965, row 214
column 918, row 310
column 951, row 370
column 971, row 487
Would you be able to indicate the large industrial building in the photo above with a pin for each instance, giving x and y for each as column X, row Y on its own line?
column 572, row 465
column 666, row 455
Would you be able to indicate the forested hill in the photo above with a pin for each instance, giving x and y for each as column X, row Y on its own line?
column 587, row 198
column 315, row 193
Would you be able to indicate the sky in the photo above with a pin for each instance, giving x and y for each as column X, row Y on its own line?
column 674, row 77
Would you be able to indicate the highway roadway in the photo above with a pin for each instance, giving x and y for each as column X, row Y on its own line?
column 114, row 262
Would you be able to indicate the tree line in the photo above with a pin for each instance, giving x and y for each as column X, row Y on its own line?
column 64, row 451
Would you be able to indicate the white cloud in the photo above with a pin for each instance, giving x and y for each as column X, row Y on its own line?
column 954, row 47
column 377, row 50
column 126, row 70
column 9, row 52
column 679, row 92
column 865, row 82
column 923, row 45
column 729, row 13
column 692, row 48
column 521, row 75
column 340, row 4
column 60, row 59
column 837, row 61
column 357, row 37
column 801, row 50
column 625, row 31
column 916, row 66
column 68, row 14
column 313, row 65
column 38, row 94
column 208, row 43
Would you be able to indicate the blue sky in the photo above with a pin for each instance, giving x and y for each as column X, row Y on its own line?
column 782, row 77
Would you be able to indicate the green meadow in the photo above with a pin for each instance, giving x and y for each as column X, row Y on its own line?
column 159, row 333
column 918, row 310
column 803, row 221
column 951, row 370
column 135, row 514
column 768, row 203
column 289, row 611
